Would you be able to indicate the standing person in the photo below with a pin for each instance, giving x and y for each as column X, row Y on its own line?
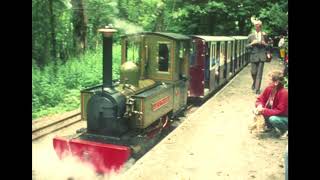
column 258, row 48
column 281, row 48
column 272, row 103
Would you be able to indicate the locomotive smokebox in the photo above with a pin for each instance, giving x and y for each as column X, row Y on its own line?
column 107, row 33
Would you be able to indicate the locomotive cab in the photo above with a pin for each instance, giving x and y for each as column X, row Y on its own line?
column 161, row 58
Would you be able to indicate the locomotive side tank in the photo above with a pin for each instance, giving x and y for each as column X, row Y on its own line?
column 126, row 118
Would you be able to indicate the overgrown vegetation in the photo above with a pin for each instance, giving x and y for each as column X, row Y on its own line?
column 56, row 88
column 62, row 29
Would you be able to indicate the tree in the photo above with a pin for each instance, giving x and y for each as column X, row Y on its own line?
column 59, row 31
column 100, row 13
column 159, row 21
column 48, row 29
column 79, row 20
column 275, row 17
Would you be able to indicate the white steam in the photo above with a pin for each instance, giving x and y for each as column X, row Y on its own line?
column 47, row 166
column 129, row 28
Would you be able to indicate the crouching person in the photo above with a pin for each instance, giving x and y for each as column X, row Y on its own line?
column 272, row 103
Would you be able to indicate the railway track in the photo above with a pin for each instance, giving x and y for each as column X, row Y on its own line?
column 48, row 126
column 44, row 127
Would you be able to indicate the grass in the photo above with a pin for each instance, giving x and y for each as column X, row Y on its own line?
column 56, row 88
column 286, row 84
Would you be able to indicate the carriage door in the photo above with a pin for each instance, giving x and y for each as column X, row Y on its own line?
column 196, row 71
column 238, row 54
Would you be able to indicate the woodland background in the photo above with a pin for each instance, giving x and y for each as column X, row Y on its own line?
column 66, row 47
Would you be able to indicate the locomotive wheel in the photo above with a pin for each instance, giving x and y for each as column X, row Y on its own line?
column 164, row 120
column 163, row 123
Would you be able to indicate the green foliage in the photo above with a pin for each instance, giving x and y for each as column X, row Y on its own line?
column 286, row 84
column 70, row 102
column 56, row 88
column 42, row 30
column 214, row 17
column 275, row 17
column 100, row 13
column 138, row 14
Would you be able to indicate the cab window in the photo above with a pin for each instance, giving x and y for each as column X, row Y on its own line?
column 213, row 55
column 164, row 57
column 132, row 51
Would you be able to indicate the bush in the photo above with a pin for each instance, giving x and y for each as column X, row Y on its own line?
column 56, row 88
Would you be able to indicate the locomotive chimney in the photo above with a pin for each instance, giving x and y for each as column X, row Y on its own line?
column 107, row 55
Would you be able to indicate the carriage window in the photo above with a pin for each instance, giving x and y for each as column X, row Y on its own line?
column 232, row 49
column 218, row 54
column 213, row 55
column 242, row 47
column 192, row 54
column 164, row 55
column 222, row 53
column 229, row 50
column 132, row 51
column 226, row 50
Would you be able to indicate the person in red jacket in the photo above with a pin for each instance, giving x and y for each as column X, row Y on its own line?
column 272, row 103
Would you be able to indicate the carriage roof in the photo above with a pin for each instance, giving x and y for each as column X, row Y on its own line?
column 174, row 36
column 240, row 37
column 214, row 38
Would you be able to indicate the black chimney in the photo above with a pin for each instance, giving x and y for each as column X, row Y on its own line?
column 107, row 55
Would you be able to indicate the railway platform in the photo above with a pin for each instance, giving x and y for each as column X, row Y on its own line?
column 214, row 142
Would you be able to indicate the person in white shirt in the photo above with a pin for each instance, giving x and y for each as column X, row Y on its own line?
column 281, row 41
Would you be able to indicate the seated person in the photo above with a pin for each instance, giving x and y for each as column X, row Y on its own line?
column 272, row 103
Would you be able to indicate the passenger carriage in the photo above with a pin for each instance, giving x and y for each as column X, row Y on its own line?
column 211, row 64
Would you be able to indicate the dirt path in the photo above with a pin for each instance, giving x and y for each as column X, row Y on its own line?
column 214, row 142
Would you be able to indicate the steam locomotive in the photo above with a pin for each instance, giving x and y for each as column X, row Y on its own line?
column 159, row 72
